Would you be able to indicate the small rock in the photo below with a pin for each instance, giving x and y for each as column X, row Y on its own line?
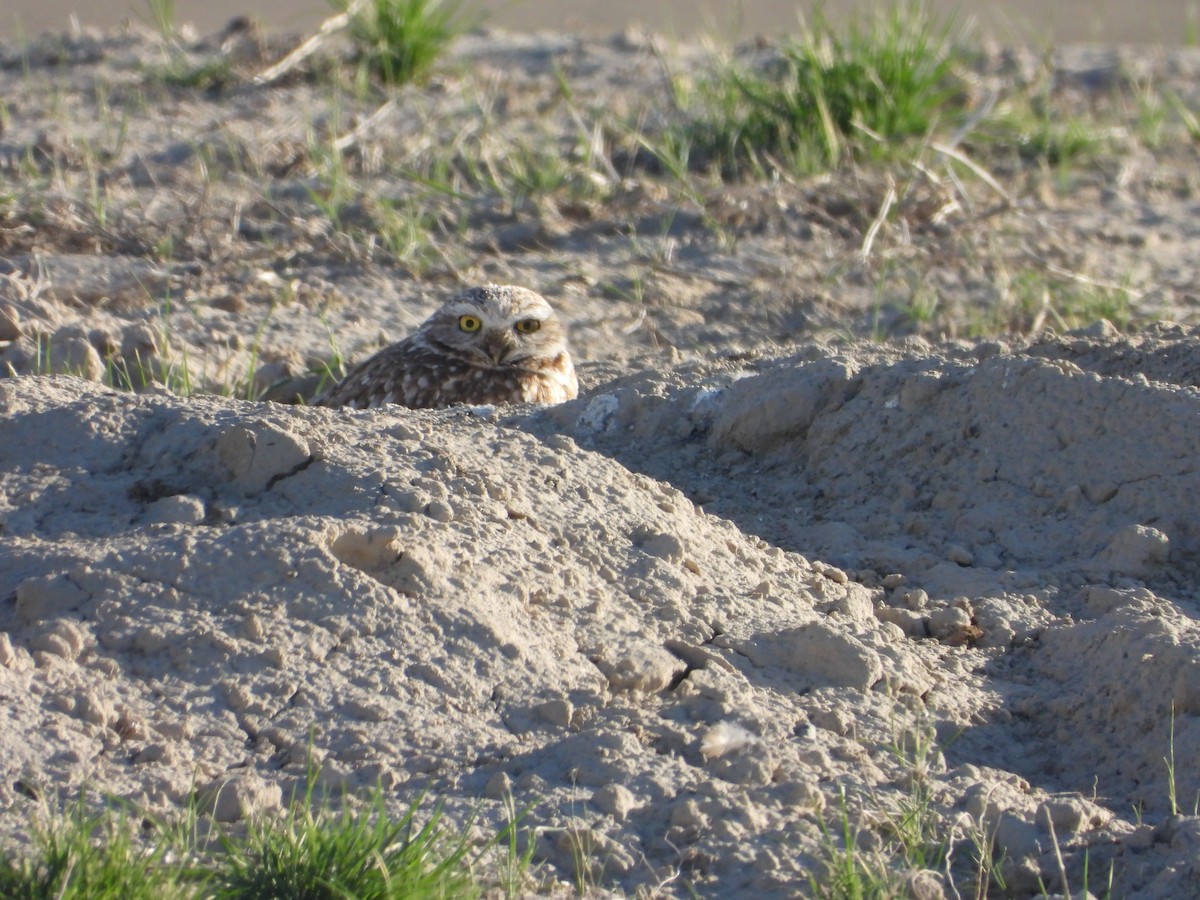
column 919, row 390
column 638, row 667
column 836, row 720
column 107, row 666
column 239, row 797
column 65, row 639
column 253, row 628
column 819, row 651
column 418, row 572
column 912, row 623
column 8, row 654
column 663, row 546
column 1141, row 838
column 179, row 729
column 1071, row 814
column 688, row 815
column 52, row 644
column 599, row 415
column 1098, row 492
column 856, row 604
column 756, row 769
column 139, row 342
column 367, row 550
column 271, row 375
column 366, row 710
column 1022, row 876
column 180, row 509
column 440, row 511
column 1016, row 838
column 498, row 787
column 1136, row 550
column 48, row 597
column 762, row 412
column 891, row 632
column 834, row 574
column 69, row 352
column 948, row 623
column 615, row 800
column 557, row 711
column 960, row 555
column 91, row 707
column 154, row 753
column 408, row 501
column 258, row 454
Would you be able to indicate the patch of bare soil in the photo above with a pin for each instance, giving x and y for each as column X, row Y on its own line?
column 762, row 574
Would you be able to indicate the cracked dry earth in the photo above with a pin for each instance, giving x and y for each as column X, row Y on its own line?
column 680, row 618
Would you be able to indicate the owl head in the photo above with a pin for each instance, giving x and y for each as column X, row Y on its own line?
column 498, row 326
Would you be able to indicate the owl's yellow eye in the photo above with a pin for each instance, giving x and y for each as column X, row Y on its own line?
column 469, row 323
column 529, row 326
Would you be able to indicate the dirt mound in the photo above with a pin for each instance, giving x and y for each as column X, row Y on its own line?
column 997, row 591
column 739, row 591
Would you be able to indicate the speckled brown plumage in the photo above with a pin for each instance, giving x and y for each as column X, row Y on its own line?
column 515, row 351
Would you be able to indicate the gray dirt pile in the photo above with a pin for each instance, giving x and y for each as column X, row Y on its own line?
column 198, row 594
column 761, row 577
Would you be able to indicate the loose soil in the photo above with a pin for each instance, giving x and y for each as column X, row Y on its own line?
column 837, row 521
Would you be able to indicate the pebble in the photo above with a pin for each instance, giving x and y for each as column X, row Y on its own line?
column 498, row 787
column 180, row 509
column 440, row 511
column 557, row 711
column 639, row 667
column 8, row 655
column 367, row 549
column 687, row 814
column 257, row 454
column 240, row 797
column 960, row 555
column 615, row 800
column 819, row 651
column 1136, row 550
column 70, row 352
column 662, row 546
column 48, row 596
column 912, row 623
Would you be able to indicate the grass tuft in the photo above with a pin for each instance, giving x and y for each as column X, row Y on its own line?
column 162, row 15
column 312, row 855
column 829, row 96
column 849, row 872
column 89, row 857
column 307, row 852
column 400, row 40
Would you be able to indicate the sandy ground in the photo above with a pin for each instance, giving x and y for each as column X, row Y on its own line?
column 761, row 575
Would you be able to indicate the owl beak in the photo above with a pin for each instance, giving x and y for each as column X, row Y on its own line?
column 498, row 345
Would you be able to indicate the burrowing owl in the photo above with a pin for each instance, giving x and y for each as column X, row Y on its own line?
column 490, row 344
